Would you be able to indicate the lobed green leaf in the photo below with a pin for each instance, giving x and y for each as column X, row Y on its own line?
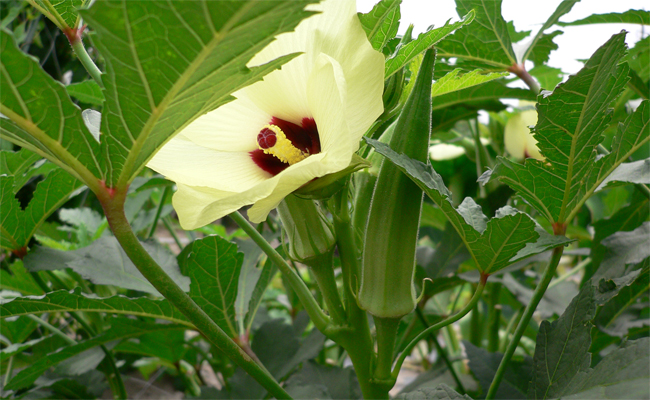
column 214, row 264
column 169, row 62
column 381, row 22
column 569, row 127
column 487, row 43
column 424, row 41
column 41, row 116
column 628, row 17
column 120, row 329
column 75, row 300
column 494, row 244
column 86, row 92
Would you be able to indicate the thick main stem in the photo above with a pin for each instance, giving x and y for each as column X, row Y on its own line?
column 114, row 210
column 525, row 319
column 357, row 340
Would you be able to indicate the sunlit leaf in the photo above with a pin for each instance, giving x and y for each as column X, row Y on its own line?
column 487, row 42
column 569, row 127
column 424, row 41
column 493, row 244
column 563, row 8
column 381, row 22
column 480, row 95
column 628, row 17
column 453, row 82
column 67, row 9
column 169, row 62
column 41, row 116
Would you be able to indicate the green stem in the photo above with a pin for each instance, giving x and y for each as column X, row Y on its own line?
column 441, row 324
column 10, row 367
column 386, row 338
column 514, row 320
column 581, row 265
column 170, row 229
column 52, row 328
column 114, row 377
column 114, row 210
column 357, row 341
column 525, row 319
column 494, row 309
column 156, row 217
column 441, row 352
column 86, row 61
column 324, row 273
column 476, row 326
column 316, row 314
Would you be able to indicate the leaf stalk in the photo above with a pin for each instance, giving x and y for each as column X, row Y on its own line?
column 525, row 319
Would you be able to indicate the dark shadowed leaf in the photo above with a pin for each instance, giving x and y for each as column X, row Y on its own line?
column 561, row 350
column 622, row 374
column 18, row 279
column 120, row 329
column 381, row 22
column 332, row 382
column 484, row 366
column 74, row 300
column 440, row 392
column 104, row 262
column 169, row 62
column 616, row 317
column 214, row 264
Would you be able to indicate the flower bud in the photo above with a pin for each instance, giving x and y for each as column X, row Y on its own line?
column 309, row 234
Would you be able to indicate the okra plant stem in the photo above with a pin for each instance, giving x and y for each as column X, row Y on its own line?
column 441, row 324
column 113, row 205
column 316, row 314
column 523, row 323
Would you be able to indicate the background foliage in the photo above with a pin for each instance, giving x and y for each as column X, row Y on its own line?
column 79, row 319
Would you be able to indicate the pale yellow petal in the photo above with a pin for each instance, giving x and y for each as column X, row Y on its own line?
column 183, row 161
column 198, row 206
column 232, row 127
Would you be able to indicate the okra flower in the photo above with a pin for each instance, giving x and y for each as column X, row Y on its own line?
column 301, row 122
column 519, row 142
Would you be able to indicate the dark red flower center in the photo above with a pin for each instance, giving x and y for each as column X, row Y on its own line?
column 303, row 137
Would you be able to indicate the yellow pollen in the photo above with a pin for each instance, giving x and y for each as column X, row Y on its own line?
column 283, row 149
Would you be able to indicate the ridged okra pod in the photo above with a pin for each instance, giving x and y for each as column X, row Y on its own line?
column 388, row 267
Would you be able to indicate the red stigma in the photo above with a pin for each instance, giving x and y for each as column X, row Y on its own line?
column 266, row 138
